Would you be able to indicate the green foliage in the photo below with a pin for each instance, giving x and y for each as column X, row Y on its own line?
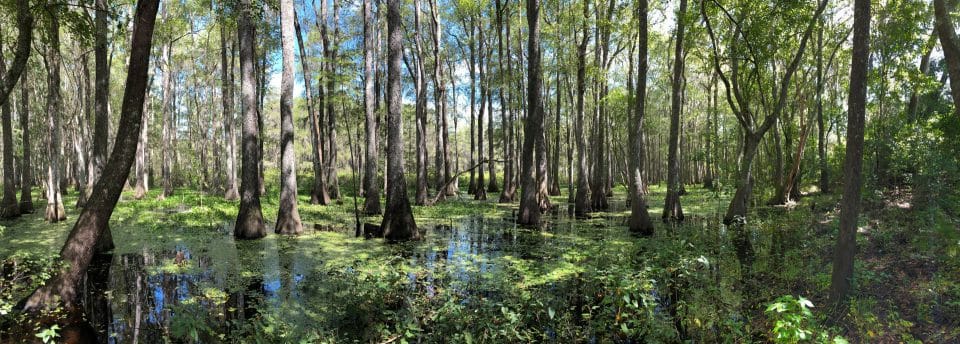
column 50, row 334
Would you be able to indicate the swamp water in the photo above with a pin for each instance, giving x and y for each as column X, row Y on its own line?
column 471, row 277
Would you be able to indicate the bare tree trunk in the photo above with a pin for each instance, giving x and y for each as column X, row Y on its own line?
column 480, row 193
column 249, row 223
column 288, row 216
column 167, row 113
column 639, row 214
column 420, row 86
column 371, row 205
column 54, row 211
column 22, row 52
column 951, row 49
column 26, row 178
column 9, row 208
column 398, row 222
column 533, row 128
column 672, row 210
column 582, row 200
column 853, row 162
column 229, row 119
column 79, row 247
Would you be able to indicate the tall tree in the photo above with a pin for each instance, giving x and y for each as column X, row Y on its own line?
column 101, row 94
column 639, row 215
column 318, row 194
column 22, row 52
column 142, row 166
column 853, row 162
column 250, row 216
column 509, row 188
column 9, row 208
column 167, row 113
column 480, row 193
column 54, row 211
column 26, row 170
column 444, row 172
column 371, row 192
column 229, row 119
column 420, row 87
column 582, row 199
column 398, row 223
column 288, row 216
column 951, row 48
column 754, row 127
column 672, row 210
column 533, row 128
column 78, row 250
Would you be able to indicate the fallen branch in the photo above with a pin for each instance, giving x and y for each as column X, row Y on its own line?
column 443, row 189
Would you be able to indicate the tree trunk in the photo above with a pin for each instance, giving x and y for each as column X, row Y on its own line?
column 26, row 174
column 951, row 50
column 639, row 214
column 249, row 223
column 420, row 86
column 101, row 95
column 582, row 200
column 472, row 188
column 371, row 205
column 318, row 193
column 288, row 216
column 229, row 119
column 509, row 190
column 54, row 211
column 821, row 129
column 9, row 208
column 853, row 162
column 481, row 192
column 398, row 223
column 21, row 54
column 167, row 113
column 79, row 247
column 672, row 210
column 533, row 127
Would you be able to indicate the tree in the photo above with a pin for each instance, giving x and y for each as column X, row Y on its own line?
column 853, row 162
column 249, row 223
column 951, row 49
column 26, row 178
column 9, row 208
column 743, row 75
column 444, row 172
column 639, row 215
column 101, row 112
column 398, row 223
column 480, row 192
column 318, row 194
column 533, row 128
column 509, row 188
column 54, row 211
column 288, row 217
column 672, row 211
column 371, row 204
column 582, row 199
column 22, row 52
column 78, row 250
column 420, row 87
column 229, row 121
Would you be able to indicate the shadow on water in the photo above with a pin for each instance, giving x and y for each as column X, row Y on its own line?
column 200, row 291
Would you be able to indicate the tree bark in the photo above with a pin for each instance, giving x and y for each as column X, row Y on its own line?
column 582, row 200
column 371, row 204
column 420, row 86
column 9, row 208
column 398, row 223
column 54, row 211
column 79, row 247
column 288, row 216
column 639, row 214
column 533, row 128
column 318, row 193
column 480, row 193
column 951, row 49
column 167, row 113
column 249, row 223
column 22, row 52
column 229, row 119
column 672, row 210
column 853, row 162
column 26, row 169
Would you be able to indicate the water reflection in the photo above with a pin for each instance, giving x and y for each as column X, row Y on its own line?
column 202, row 290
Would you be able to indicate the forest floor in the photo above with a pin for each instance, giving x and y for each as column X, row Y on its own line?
column 177, row 274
